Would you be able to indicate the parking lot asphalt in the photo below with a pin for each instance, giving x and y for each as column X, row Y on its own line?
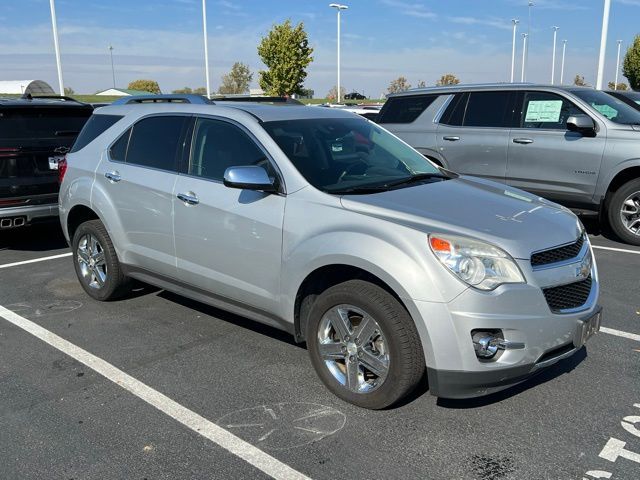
column 60, row 418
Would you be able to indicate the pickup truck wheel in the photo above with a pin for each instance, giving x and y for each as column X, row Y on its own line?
column 364, row 345
column 624, row 212
column 96, row 262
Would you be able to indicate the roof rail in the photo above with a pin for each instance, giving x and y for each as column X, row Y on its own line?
column 257, row 99
column 167, row 98
column 28, row 96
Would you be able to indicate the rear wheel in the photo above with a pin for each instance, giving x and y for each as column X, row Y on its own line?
column 623, row 211
column 96, row 262
column 364, row 345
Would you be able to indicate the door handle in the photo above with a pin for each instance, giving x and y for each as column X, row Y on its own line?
column 523, row 141
column 450, row 138
column 113, row 177
column 188, row 198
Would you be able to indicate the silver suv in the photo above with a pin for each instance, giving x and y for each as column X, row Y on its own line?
column 323, row 224
column 573, row 145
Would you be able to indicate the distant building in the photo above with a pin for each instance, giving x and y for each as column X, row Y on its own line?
column 122, row 92
column 34, row 87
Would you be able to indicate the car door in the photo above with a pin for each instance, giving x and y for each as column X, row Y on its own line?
column 138, row 176
column 473, row 133
column 228, row 241
column 545, row 157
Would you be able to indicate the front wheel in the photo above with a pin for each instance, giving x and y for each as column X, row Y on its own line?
column 364, row 345
column 96, row 262
column 623, row 211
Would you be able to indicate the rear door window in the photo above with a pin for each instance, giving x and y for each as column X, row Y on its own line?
column 546, row 111
column 405, row 109
column 155, row 142
column 118, row 150
column 42, row 122
column 454, row 114
column 96, row 125
column 488, row 109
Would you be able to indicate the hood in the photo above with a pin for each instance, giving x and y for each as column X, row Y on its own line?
column 516, row 221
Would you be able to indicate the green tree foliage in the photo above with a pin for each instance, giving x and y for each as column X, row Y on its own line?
column 185, row 90
column 150, row 86
column 400, row 84
column 287, row 54
column 237, row 80
column 631, row 65
column 621, row 86
column 200, row 90
column 422, row 84
column 448, row 79
column 69, row 91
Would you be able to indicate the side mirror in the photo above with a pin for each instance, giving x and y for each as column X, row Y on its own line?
column 582, row 124
column 249, row 178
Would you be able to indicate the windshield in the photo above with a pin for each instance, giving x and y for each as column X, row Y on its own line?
column 614, row 109
column 342, row 154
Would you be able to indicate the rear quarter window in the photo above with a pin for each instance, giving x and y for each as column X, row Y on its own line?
column 95, row 126
column 404, row 109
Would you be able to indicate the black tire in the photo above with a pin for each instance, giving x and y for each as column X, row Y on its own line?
column 115, row 283
column 405, row 357
column 614, row 206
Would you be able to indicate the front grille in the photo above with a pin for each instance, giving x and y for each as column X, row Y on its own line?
column 569, row 296
column 559, row 254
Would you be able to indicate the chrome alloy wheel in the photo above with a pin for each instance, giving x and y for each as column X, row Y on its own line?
column 353, row 348
column 630, row 213
column 90, row 256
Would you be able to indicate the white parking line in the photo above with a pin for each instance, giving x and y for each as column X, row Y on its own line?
column 623, row 250
column 619, row 333
column 238, row 447
column 35, row 260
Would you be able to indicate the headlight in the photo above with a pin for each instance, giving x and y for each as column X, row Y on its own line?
column 476, row 263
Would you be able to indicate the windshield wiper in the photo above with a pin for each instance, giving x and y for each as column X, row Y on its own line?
column 418, row 177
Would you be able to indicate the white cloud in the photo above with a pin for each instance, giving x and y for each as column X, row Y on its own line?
column 418, row 10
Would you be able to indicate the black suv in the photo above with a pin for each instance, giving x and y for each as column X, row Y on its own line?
column 35, row 134
column 354, row 96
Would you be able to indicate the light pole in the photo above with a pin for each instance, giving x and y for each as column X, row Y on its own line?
column 603, row 43
column 524, row 54
column 513, row 47
column 206, row 47
column 54, row 24
column 529, row 5
column 338, row 8
column 553, row 56
column 564, row 50
column 615, row 87
column 113, row 71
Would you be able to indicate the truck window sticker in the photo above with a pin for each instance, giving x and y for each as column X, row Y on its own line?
column 543, row 111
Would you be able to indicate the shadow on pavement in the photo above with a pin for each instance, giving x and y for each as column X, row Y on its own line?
column 560, row 368
column 34, row 238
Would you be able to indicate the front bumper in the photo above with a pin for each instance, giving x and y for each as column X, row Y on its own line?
column 461, row 384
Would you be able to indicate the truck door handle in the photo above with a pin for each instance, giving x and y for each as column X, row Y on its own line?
column 449, row 138
column 188, row 198
column 113, row 177
column 523, row 141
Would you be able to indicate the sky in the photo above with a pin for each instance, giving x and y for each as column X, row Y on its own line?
column 381, row 40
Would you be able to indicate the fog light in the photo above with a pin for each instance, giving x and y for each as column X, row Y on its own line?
column 486, row 344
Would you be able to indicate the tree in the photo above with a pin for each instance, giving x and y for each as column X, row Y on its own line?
column 579, row 81
column 286, row 53
column 69, row 91
column 448, row 79
column 631, row 65
column 400, row 84
column 621, row 86
column 333, row 93
column 200, row 91
column 150, row 86
column 237, row 80
column 185, row 90
column 422, row 84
